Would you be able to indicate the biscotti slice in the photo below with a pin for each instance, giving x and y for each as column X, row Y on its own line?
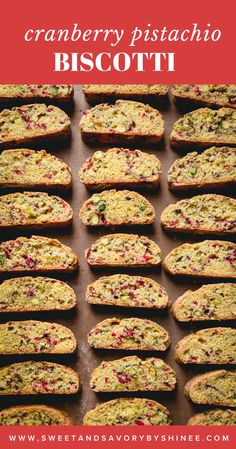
column 148, row 93
column 123, row 250
column 32, row 123
column 115, row 208
column 217, row 417
column 35, row 337
column 38, row 378
column 201, row 214
column 127, row 291
column 212, row 95
column 34, row 415
column 210, row 258
column 215, row 167
column 119, row 167
column 29, row 294
column 25, row 168
column 213, row 388
column 210, row 302
column 128, row 412
column 34, row 210
column 125, row 121
column 133, row 374
column 205, row 127
column 129, row 334
column 216, row 345
column 37, row 254
column 28, row 92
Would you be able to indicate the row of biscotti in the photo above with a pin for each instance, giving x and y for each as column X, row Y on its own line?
column 128, row 374
column 188, row 95
column 209, row 302
column 133, row 122
column 214, row 95
column 209, row 214
column 207, row 346
column 210, row 258
column 124, row 122
column 215, row 214
column 118, row 167
column 122, row 411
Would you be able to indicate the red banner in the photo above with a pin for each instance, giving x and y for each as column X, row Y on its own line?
column 120, row 437
column 123, row 42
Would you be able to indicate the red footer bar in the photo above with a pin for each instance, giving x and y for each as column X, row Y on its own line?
column 178, row 437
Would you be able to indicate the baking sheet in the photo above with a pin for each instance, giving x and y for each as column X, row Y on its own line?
column 84, row 317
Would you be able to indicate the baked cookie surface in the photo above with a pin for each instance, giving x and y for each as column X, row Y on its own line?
column 127, row 291
column 120, row 167
column 129, row 334
column 114, row 208
column 213, row 168
column 128, row 412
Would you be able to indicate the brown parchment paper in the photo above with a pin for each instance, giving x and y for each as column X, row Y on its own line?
column 85, row 316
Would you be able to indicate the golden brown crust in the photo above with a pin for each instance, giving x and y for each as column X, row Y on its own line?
column 111, row 199
column 212, row 185
column 185, row 145
column 119, row 138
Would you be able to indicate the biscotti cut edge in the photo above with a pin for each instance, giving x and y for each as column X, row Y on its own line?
column 119, row 138
column 37, row 307
column 24, row 98
column 98, row 185
column 67, row 330
column 31, row 390
column 43, row 224
column 62, row 134
column 91, row 299
column 200, row 228
column 65, row 419
column 73, row 266
column 124, row 379
column 212, row 274
column 160, row 346
column 198, row 142
column 179, row 304
column 36, row 185
column 203, row 377
column 212, row 183
column 181, row 345
column 131, row 236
